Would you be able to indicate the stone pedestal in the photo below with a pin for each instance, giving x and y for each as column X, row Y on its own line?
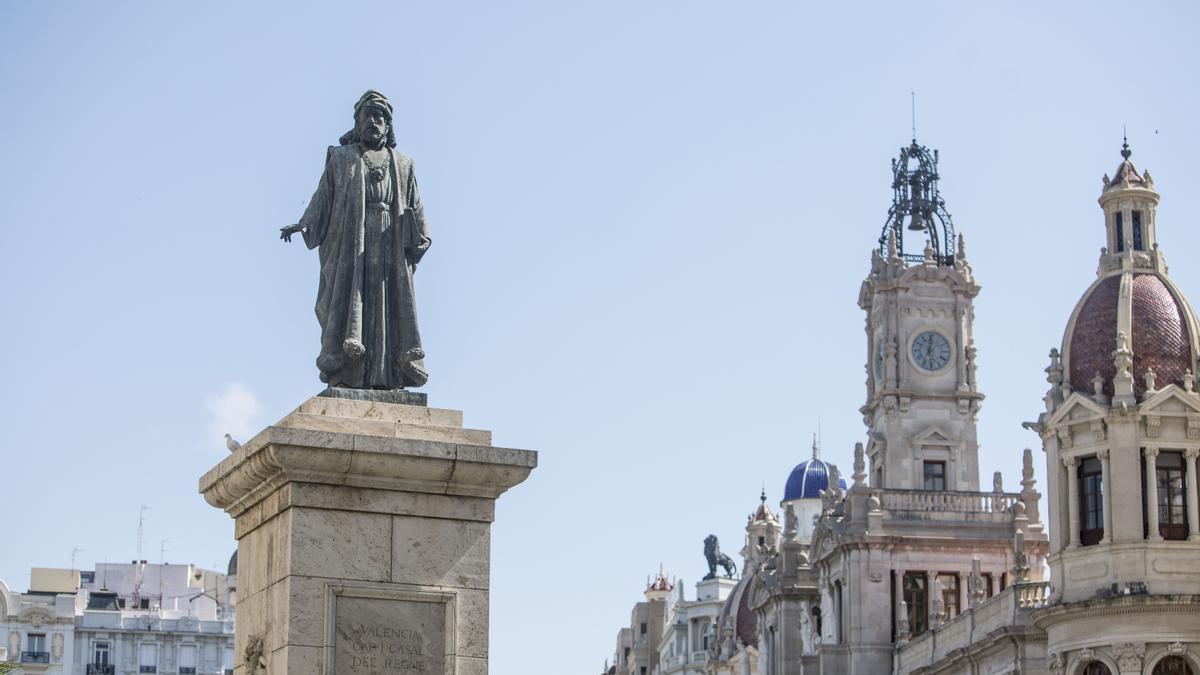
column 363, row 535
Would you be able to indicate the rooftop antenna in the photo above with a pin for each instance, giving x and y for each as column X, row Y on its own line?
column 141, row 528
column 137, row 564
column 913, row 97
column 74, row 554
column 162, row 551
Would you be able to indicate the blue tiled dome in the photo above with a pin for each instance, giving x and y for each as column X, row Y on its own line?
column 808, row 479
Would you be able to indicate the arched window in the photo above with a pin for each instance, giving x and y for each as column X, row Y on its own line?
column 1172, row 665
column 1096, row 668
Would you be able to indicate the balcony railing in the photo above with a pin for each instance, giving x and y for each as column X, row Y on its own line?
column 1011, row 607
column 101, row 669
column 35, row 657
column 943, row 505
column 187, row 670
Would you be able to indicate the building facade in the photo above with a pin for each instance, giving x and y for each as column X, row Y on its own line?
column 121, row 619
column 913, row 567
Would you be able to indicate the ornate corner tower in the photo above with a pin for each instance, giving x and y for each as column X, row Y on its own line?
column 1121, row 432
column 922, row 398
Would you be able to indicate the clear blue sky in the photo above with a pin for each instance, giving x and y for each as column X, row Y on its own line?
column 650, row 223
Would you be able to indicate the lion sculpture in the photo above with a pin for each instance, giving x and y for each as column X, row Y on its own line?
column 712, row 552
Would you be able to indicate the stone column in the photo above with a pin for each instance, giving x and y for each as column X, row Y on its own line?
column 1107, row 506
column 1193, row 496
column 1072, row 500
column 364, row 539
column 1152, row 494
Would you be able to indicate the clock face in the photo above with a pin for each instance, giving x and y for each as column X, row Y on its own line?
column 931, row 351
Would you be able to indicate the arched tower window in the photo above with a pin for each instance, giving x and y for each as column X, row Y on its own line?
column 1172, row 665
column 1096, row 668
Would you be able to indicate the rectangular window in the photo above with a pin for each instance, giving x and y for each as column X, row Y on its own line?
column 840, row 609
column 917, row 598
column 101, row 654
column 1120, row 231
column 35, row 649
column 1137, row 230
column 1172, row 497
column 935, row 475
column 187, row 659
column 227, row 661
column 148, row 658
column 950, row 593
column 1091, row 501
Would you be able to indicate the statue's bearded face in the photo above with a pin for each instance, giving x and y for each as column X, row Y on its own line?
column 371, row 123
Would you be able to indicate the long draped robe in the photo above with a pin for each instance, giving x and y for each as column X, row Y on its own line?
column 368, row 253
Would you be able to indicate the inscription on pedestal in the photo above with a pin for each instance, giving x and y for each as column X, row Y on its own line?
column 378, row 636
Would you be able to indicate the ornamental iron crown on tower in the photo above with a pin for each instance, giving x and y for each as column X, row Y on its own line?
column 917, row 206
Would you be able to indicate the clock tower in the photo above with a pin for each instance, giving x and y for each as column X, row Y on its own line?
column 922, row 397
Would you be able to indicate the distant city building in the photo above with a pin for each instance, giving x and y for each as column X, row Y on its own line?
column 912, row 567
column 122, row 619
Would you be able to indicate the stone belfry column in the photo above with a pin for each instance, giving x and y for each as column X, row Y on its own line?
column 363, row 534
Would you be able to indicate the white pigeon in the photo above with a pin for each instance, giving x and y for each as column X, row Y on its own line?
column 233, row 445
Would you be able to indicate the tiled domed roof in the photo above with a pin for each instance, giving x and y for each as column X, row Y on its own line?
column 737, row 614
column 1158, row 332
column 809, row 477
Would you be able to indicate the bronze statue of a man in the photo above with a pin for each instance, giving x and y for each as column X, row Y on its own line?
column 368, row 225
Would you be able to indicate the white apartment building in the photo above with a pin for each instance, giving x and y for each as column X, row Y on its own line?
column 121, row 619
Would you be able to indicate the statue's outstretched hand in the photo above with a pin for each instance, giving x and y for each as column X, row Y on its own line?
column 285, row 233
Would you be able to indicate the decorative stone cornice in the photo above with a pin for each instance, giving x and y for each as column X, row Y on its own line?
column 1118, row 606
column 411, row 457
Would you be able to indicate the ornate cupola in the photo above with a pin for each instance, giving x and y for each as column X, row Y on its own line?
column 762, row 534
column 922, row 397
column 1121, row 432
column 1133, row 307
column 1129, row 201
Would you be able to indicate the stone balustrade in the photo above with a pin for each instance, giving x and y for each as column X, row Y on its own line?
column 946, row 505
column 1011, row 607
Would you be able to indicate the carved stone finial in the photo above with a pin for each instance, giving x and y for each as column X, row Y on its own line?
column 1020, row 569
column 860, row 465
column 1151, row 379
column 997, row 482
column 1098, row 384
column 1027, row 481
